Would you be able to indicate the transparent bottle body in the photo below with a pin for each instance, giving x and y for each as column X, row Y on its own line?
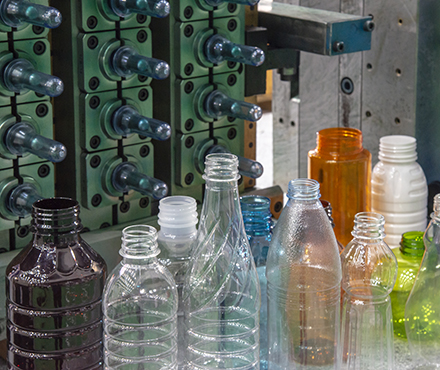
column 303, row 288
column 140, row 316
column 175, row 255
column 422, row 311
column 369, row 270
column 221, row 291
column 54, row 290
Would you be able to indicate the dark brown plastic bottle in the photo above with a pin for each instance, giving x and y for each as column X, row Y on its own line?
column 54, row 290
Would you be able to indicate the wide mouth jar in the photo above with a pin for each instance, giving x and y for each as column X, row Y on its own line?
column 339, row 141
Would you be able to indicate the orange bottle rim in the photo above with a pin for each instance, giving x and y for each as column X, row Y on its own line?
column 339, row 140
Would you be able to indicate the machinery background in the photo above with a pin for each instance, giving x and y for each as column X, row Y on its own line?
column 390, row 89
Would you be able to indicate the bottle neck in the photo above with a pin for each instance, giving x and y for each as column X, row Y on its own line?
column 397, row 149
column 56, row 221
column 339, row 141
column 369, row 227
column 435, row 215
column 412, row 244
column 139, row 244
column 303, row 190
column 256, row 215
column 177, row 217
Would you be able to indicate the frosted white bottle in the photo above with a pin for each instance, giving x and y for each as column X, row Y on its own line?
column 177, row 220
column 398, row 188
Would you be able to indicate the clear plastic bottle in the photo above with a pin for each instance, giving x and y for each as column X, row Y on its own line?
column 258, row 225
column 343, row 169
column 409, row 257
column 177, row 220
column 221, row 293
column 399, row 190
column 369, row 270
column 54, row 289
column 303, row 285
column 140, row 307
column 422, row 311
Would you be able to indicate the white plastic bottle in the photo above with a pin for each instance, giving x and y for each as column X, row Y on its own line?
column 177, row 220
column 398, row 188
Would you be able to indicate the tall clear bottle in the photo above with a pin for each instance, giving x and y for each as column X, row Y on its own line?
column 221, row 293
column 422, row 311
column 54, row 290
column 369, row 270
column 140, row 307
column 303, row 285
column 258, row 225
column 177, row 220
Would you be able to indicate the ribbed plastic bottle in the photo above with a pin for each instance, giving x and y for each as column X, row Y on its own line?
column 258, row 225
column 369, row 270
column 343, row 169
column 140, row 307
column 422, row 311
column 221, row 293
column 303, row 285
column 54, row 289
column 398, row 188
column 409, row 257
column 177, row 220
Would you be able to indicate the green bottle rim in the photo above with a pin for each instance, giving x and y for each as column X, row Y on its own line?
column 412, row 243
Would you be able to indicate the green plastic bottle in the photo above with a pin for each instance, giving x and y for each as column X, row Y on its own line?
column 409, row 257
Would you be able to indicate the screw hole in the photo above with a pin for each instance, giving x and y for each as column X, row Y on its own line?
column 141, row 18
column 231, row 119
column 92, row 22
column 400, row 21
column 124, row 207
column 189, row 124
column 251, row 145
column 92, row 42
column 278, row 207
column 189, row 178
column 368, row 113
column 397, row 120
column 95, row 161
column 142, row 78
column 38, row 30
column 292, row 123
column 189, row 69
column 96, row 200
column 188, row 30
column 42, row 110
column 95, row 141
column 104, row 225
column 281, row 120
column 231, row 65
column 369, row 66
column 189, row 142
column 251, row 126
column 144, row 151
column 232, row 133
column 43, row 171
column 188, row 12
column 94, row 102
column 398, row 72
column 232, row 8
column 23, row 231
column 142, row 36
column 232, row 25
column 143, row 94
column 189, row 87
column 232, row 80
column 144, row 202
column 94, row 83
column 39, row 47
column 347, row 86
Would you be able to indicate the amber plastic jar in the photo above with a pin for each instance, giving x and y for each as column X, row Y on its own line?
column 343, row 168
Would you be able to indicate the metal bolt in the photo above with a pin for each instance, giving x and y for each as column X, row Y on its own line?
column 369, row 26
column 338, row 46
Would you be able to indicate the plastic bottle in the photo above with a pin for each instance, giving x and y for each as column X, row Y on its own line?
column 343, row 169
column 140, row 306
column 409, row 257
column 422, row 311
column 258, row 225
column 54, row 289
column 177, row 220
column 221, row 293
column 369, row 270
column 303, row 284
column 398, row 188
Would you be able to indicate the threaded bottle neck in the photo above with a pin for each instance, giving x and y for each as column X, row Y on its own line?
column 303, row 189
column 221, row 167
column 369, row 226
column 398, row 149
column 412, row 243
column 177, row 215
column 256, row 214
column 339, row 141
column 55, row 216
column 139, row 242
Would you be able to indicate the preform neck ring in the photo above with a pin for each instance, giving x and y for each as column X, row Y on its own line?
column 303, row 189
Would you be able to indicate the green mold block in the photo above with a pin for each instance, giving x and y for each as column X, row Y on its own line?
column 96, row 188
column 194, row 10
column 134, row 210
column 97, row 15
column 36, row 51
column 192, row 94
column 191, row 39
column 95, row 52
column 39, row 115
column 97, row 110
